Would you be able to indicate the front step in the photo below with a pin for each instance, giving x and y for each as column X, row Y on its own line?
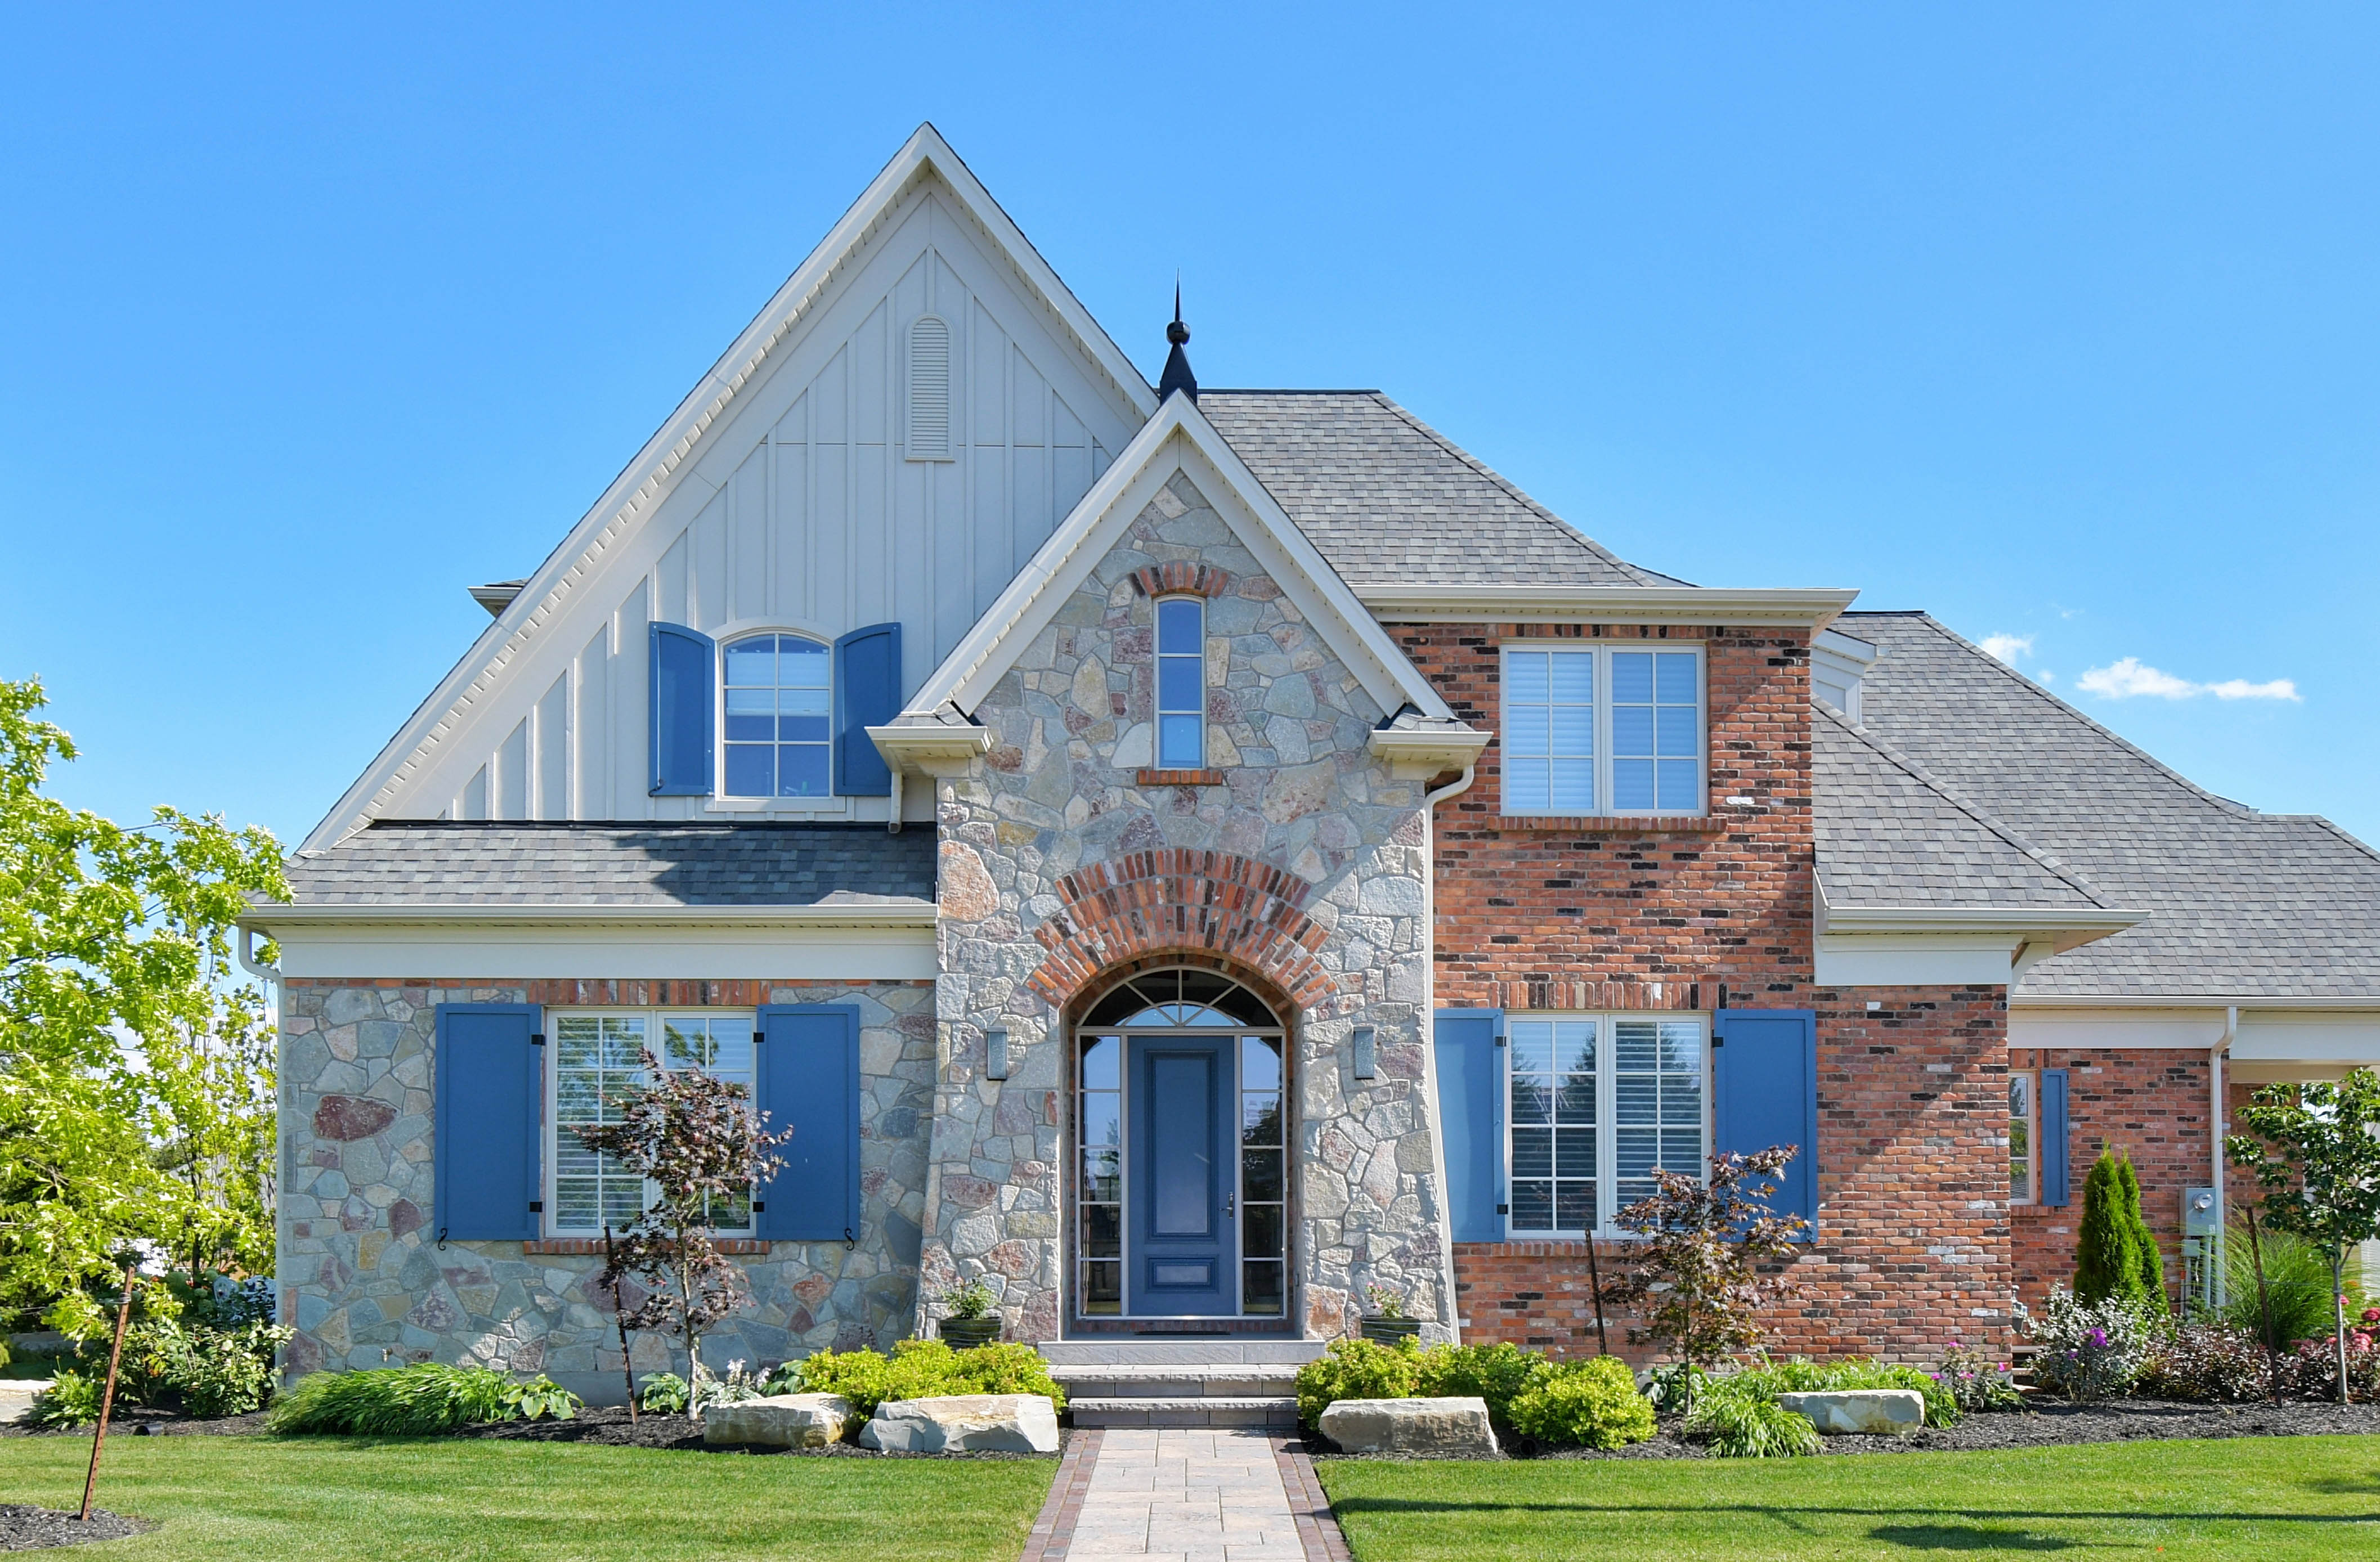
column 1201, row 1352
column 1273, row 1412
column 1210, row 1380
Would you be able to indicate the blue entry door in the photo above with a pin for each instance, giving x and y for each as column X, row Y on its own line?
column 1184, row 1174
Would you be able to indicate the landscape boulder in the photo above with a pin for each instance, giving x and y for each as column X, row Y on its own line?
column 1452, row 1428
column 1878, row 1412
column 953, row 1423
column 17, row 1395
column 780, row 1420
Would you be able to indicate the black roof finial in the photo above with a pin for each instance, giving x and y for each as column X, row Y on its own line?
column 1177, row 375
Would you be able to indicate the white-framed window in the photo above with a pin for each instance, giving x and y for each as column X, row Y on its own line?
column 1596, row 1102
column 776, row 698
column 1607, row 729
column 595, row 1066
column 1181, row 683
column 2024, row 1118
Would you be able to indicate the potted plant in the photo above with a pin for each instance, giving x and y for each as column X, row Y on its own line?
column 1387, row 1321
column 971, row 1322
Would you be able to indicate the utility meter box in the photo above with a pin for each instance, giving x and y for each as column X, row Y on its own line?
column 2198, row 1217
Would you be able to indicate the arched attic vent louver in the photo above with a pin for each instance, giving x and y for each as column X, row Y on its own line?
column 930, row 390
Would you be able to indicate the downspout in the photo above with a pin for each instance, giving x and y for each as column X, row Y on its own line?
column 1449, row 1315
column 893, row 828
column 2215, row 1136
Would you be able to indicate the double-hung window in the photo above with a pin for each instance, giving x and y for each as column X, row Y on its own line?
column 596, row 1069
column 1602, row 730
column 778, row 711
column 1181, row 683
column 1598, row 1102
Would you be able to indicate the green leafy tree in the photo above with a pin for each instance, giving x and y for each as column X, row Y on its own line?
column 2316, row 1151
column 136, row 1090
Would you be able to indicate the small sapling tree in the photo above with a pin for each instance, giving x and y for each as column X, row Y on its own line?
column 696, row 1139
column 2315, row 1151
column 1697, row 1282
column 2114, row 1252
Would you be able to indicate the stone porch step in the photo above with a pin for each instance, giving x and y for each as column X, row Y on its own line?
column 1206, row 1380
column 1207, row 1350
column 1278, row 1411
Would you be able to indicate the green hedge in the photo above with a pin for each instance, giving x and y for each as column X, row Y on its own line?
column 921, row 1369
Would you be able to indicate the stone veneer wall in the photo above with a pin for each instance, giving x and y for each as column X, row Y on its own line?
column 364, row 1285
column 2148, row 1103
column 1912, row 1248
column 1302, row 862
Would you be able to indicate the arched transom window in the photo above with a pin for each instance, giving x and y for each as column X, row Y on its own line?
column 778, row 717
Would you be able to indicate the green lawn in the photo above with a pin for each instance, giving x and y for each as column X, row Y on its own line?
column 2266, row 1498
column 304, row 1498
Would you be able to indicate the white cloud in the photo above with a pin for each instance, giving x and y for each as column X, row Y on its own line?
column 2125, row 679
column 2008, row 648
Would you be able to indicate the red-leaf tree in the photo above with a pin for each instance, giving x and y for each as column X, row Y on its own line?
column 1696, row 1281
column 696, row 1139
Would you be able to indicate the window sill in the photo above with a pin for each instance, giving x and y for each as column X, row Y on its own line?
column 592, row 1247
column 1177, row 778
column 802, row 807
column 1618, row 824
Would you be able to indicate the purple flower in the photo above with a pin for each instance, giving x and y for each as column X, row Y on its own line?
column 2098, row 1339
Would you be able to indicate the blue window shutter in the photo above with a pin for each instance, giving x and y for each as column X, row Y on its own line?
column 487, row 1171
column 808, row 1081
column 1764, row 1092
column 1471, row 1120
column 867, row 694
column 685, row 669
column 2053, row 1136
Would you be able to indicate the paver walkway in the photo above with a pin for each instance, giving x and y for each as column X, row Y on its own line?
column 1189, row 1495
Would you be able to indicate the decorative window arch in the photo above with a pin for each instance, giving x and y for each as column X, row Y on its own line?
column 777, row 696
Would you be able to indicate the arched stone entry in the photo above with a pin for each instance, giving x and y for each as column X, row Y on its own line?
column 1213, row 903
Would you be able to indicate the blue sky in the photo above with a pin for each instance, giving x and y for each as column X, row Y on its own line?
column 2056, row 322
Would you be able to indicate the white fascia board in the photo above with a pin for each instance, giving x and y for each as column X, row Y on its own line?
column 1419, row 755
column 668, row 456
column 273, row 920
column 1422, row 604
column 2064, row 927
column 1896, row 961
column 2263, row 1002
column 1181, row 436
column 547, row 950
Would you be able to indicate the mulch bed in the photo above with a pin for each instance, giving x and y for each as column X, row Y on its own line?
column 2045, row 1425
column 37, row 1529
column 144, row 1421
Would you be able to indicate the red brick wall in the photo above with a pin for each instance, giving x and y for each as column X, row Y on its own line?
column 2148, row 1103
column 1912, row 1248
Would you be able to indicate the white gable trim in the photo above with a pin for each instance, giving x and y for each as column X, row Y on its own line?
column 673, row 452
column 1179, row 436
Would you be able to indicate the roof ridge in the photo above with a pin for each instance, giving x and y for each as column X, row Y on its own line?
column 2229, row 804
column 1512, row 490
column 2073, row 877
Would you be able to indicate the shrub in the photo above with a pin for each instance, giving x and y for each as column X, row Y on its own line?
column 2089, row 1349
column 414, row 1401
column 1766, row 1379
column 1975, row 1381
column 1591, row 1403
column 1357, row 1369
column 2114, row 1255
column 1739, row 1420
column 920, row 1369
column 216, row 1371
column 2210, row 1362
column 72, row 1400
column 1497, row 1374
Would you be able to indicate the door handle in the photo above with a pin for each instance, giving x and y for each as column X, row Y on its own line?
column 1231, row 1202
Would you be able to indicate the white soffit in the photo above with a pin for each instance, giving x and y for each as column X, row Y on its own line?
column 674, row 449
column 1178, row 437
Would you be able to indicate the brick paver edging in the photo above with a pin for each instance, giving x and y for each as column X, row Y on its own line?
column 1054, row 1530
column 1317, row 1530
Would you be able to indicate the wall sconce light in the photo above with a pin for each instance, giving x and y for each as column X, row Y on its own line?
column 995, row 1054
column 1366, row 1053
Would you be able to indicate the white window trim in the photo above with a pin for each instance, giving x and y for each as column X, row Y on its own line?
column 1602, row 651
column 1156, row 654
column 720, row 801
column 1607, row 1096
column 549, row 1113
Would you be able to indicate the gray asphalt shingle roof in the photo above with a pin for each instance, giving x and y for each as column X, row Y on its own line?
column 623, row 864
column 1889, row 836
column 1390, row 500
column 2242, row 904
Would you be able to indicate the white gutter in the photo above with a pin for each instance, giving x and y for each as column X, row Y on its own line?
column 2186, row 1000
column 2215, row 1135
column 1423, row 602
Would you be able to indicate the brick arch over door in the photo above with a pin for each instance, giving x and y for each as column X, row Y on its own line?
column 1175, row 902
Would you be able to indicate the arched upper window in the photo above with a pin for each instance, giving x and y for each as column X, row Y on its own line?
column 1181, row 998
column 930, row 390
column 778, row 708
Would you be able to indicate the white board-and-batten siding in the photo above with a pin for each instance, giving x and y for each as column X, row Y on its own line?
column 805, row 512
